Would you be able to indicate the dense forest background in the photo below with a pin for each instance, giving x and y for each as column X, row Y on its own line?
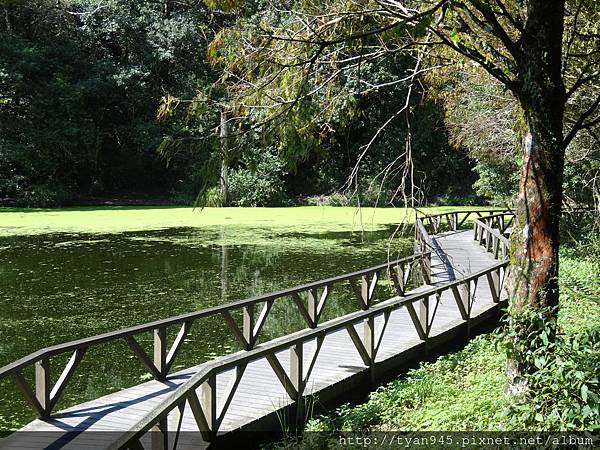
column 83, row 89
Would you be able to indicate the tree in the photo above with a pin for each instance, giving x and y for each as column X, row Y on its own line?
column 545, row 53
column 80, row 83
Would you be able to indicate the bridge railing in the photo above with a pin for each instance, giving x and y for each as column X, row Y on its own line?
column 309, row 299
column 425, row 223
column 198, row 395
column 455, row 219
column 492, row 232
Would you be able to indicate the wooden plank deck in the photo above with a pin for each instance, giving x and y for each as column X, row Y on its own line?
column 259, row 394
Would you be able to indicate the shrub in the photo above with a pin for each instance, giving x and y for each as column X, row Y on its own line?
column 564, row 390
column 46, row 195
column 258, row 181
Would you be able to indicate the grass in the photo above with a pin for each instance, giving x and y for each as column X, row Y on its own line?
column 465, row 390
column 109, row 219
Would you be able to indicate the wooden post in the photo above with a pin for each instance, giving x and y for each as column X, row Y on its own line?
column 426, row 268
column 399, row 279
column 160, row 435
column 208, row 401
column 42, row 386
column 369, row 340
column 248, row 313
column 424, row 319
column 494, row 282
column 313, row 303
column 467, row 295
column 160, row 351
column 364, row 292
column 297, row 375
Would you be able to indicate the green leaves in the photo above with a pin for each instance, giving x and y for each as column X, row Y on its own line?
column 584, row 392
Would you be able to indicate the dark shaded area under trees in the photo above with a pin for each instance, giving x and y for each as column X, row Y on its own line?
column 81, row 83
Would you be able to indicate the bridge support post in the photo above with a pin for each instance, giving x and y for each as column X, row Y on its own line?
column 248, row 325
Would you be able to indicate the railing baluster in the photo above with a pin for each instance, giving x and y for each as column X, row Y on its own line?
column 230, row 390
column 177, row 421
column 426, row 268
column 260, row 322
column 297, row 378
column 160, row 351
column 208, row 401
column 42, row 385
column 421, row 331
column 424, row 314
column 200, row 416
column 369, row 342
column 143, row 356
column 396, row 274
column 248, row 324
column 65, row 376
column 304, row 312
column 28, row 393
column 312, row 305
column 494, row 283
column 177, row 344
column 281, row 374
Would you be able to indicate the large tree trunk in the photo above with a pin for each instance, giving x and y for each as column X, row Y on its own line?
column 533, row 279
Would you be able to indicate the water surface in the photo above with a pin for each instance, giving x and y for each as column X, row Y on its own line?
column 59, row 287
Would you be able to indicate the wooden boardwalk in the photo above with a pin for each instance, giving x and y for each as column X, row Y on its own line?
column 258, row 395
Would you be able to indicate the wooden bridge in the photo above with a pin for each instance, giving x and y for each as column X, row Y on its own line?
column 460, row 275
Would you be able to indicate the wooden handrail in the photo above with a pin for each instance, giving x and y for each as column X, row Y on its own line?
column 44, row 397
column 493, row 238
column 455, row 219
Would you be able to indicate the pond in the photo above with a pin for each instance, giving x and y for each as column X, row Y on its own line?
column 57, row 287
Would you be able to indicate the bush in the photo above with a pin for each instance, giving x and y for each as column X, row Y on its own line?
column 258, row 181
column 46, row 195
column 564, row 390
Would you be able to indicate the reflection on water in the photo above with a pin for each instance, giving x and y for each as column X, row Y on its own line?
column 59, row 287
